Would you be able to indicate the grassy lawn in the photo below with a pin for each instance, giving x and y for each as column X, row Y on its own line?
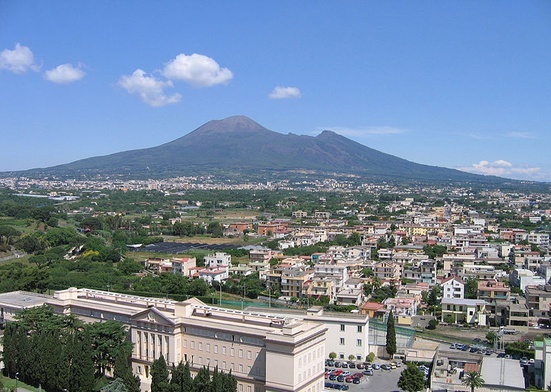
column 9, row 383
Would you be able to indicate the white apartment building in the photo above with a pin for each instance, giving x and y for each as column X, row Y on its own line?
column 453, row 287
column 217, row 260
column 347, row 333
column 265, row 352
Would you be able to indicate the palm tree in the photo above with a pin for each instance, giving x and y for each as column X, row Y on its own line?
column 473, row 380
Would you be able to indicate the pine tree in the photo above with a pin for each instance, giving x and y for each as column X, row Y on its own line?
column 412, row 379
column 390, row 335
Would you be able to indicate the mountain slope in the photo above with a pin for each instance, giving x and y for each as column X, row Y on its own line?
column 239, row 145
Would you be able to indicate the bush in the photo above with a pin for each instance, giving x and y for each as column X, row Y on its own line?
column 432, row 324
column 449, row 319
column 370, row 357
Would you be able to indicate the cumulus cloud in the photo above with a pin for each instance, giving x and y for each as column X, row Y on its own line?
column 150, row 89
column 64, row 74
column 197, row 70
column 19, row 60
column 504, row 168
column 283, row 92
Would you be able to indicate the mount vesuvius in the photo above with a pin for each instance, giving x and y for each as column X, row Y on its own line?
column 238, row 145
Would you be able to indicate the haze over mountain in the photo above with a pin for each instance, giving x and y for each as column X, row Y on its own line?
column 238, row 145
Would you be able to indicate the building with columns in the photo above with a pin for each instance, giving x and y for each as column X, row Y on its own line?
column 265, row 352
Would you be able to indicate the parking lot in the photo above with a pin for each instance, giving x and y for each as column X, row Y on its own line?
column 381, row 380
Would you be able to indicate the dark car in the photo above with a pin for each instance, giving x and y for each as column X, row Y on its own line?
column 360, row 366
column 329, row 362
column 351, row 365
column 338, row 364
column 332, row 377
column 345, row 365
column 356, row 380
column 340, row 378
column 343, row 387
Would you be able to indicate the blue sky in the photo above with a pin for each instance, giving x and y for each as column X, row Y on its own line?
column 458, row 84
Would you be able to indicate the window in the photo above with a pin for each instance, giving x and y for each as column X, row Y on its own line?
column 342, row 327
column 193, row 344
column 240, row 353
column 208, row 347
column 342, row 341
column 216, row 349
column 359, row 342
column 223, row 350
column 232, row 352
column 200, row 346
column 360, row 329
column 249, row 354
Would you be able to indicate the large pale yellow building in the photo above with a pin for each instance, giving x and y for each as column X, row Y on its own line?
column 266, row 353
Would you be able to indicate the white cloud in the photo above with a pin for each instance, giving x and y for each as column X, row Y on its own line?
column 19, row 60
column 64, row 74
column 358, row 133
column 197, row 70
column 149, row 88
column 521, row 135
column 283, row 92
column 502, row 168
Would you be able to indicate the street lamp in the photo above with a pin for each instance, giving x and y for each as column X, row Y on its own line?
column 16, row 379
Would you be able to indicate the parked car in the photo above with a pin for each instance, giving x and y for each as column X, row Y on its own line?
column 393, row 365
column 343, row 387
column 376, row 366
column 360, row 366
column 356, row 380
column 524, row 361
column 338, row 364
column 346, row 373
column 385, row 366
column 332, row 377
column 453, row 345
column 329, row 362
column 352, row 365
column 349, row 379
column 340, row 378
column 368, row 372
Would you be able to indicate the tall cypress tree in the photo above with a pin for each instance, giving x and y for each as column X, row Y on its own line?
column 159, row 375
column 81, row 367
column 187, row 380
column 390, row 335
column 201, row 382
column 123, row 370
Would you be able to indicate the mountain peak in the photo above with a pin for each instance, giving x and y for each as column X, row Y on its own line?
column 231, row 124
